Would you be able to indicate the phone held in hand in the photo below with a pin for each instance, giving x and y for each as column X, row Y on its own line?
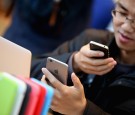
column 99, row 47
column 58, row 69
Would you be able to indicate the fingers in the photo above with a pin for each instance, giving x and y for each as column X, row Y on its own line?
column 56, row 97
column 98, row 62
column 43, row 79
column 76, row 81
column 95, row 53
column 85, row 60
column 98, row 69
column 85, row 50
column 56, row 100
column 101, row 72
column 54, row 82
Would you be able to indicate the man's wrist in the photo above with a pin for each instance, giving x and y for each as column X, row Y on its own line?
column 81, row 108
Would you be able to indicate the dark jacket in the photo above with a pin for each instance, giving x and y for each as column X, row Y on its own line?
column 112, row 93
column 30, row 26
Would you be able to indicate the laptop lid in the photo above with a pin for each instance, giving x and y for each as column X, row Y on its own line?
column 14, row 59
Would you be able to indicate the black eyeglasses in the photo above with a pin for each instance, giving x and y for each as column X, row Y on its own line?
column 123, row 17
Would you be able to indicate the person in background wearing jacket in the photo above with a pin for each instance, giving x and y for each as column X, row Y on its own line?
column 112, row 90
column 42, row 25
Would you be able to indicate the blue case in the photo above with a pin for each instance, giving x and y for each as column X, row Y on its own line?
column 48, row 97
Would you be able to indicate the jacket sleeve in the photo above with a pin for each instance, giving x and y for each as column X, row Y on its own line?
column 125, row 108
column 64, row 51
column 92, row 109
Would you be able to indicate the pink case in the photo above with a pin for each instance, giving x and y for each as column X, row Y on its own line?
column 33, row 97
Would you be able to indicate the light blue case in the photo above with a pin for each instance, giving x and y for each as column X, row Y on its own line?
column 48, row 97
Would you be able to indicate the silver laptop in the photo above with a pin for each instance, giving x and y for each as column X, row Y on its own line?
column 14, row 59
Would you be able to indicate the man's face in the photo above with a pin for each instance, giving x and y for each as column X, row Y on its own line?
column 125, row 30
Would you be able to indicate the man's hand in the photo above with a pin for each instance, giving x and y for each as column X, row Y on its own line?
column 69, row 100
column 84, row 61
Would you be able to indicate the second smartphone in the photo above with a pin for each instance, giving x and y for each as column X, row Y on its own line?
column 99, row 47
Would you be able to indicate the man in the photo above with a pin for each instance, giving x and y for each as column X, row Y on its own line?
column 113, row 88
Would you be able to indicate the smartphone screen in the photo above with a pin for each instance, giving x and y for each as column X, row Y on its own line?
column 99, row 47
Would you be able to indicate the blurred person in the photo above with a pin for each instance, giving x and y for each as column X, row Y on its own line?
column 112, row 90
column 42, row 25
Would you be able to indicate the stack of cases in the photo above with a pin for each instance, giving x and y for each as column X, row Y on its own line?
column 24, row 96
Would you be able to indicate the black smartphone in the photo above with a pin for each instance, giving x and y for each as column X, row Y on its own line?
column 99, row 47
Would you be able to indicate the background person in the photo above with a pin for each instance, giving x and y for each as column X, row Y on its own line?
column 42, row 25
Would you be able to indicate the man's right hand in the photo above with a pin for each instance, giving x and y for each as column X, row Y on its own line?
column 84, row 61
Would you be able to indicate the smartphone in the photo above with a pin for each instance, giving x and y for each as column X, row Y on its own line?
column 20, row 94
column 47, row 97
column 99, row 47
column 58, row 69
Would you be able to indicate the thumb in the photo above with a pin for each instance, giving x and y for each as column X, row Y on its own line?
column 76, row 82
